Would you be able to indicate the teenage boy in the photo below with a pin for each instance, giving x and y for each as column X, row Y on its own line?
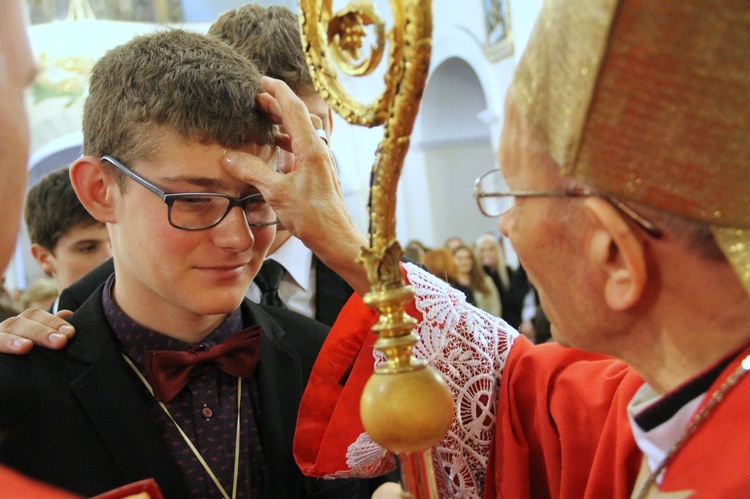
column 149, row 387
column 66, row 241
column 269, row 36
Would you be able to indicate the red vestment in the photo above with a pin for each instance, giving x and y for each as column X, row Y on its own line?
column 562, row 428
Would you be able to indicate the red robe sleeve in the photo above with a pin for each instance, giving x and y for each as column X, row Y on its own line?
column 329, row 419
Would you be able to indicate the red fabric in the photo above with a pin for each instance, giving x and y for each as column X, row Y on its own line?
column 564, row 430
column 148, row 486
column 329, row 412
column 714, row 462
column 14, row 485
column 168, row 371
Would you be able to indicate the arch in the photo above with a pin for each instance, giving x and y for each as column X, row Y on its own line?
column 452, row 144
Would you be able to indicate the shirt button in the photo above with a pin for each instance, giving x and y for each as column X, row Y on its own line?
column 206, row 412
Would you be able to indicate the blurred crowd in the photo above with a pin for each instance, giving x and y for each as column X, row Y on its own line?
column 481, row 271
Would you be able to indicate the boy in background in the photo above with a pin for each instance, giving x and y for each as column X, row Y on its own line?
column 66, row 241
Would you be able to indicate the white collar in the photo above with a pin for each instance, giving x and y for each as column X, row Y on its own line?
column 655, row 443
column 296, row 258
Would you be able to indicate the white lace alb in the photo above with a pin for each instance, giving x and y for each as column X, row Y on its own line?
column 469, row 347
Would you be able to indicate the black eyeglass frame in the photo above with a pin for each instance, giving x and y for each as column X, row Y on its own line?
column 169, row 199
column 650, row 229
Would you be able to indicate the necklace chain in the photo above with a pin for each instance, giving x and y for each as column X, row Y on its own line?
column 716, row 398
column 190, row 444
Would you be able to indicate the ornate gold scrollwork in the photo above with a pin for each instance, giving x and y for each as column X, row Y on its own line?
column 406, row 406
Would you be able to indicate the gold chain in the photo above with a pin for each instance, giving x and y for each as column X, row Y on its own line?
column 716, row 398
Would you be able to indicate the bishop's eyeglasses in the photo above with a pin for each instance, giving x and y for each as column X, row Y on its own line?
column 494, row 199
column 203, row 210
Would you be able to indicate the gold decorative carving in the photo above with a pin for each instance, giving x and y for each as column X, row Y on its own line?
column 406, row 406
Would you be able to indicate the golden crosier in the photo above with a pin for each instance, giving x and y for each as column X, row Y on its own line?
column 406, row 406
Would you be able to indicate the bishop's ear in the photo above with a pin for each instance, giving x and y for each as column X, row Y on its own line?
column 95, row 187
column 617, row 249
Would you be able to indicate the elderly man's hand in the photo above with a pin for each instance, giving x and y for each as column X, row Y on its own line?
column 307, row 199
column 35, row 327
column 391, row 490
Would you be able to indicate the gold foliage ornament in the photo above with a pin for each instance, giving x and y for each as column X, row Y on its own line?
column 406, row 406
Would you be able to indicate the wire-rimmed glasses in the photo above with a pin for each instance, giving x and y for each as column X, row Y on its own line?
column 203, row 210
column 494, row 199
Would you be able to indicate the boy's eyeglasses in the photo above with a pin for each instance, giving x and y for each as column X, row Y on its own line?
column 494, row 199
column 203, row 210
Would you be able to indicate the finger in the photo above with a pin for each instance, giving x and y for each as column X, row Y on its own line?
column 34, row 326
column 14, row 345
column 249, row 170
column 270, row 107
column 64, row 314
column 295, row 115
column 284, row 141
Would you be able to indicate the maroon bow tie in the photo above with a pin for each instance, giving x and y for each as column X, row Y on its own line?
column 168, row 371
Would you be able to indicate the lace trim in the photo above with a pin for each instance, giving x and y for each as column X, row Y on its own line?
column 469, row 347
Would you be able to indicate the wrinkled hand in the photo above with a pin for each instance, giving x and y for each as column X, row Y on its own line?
column 35, row 327
column 391, row 490
column 308, row 200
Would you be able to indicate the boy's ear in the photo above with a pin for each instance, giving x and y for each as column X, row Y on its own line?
column 95, row 187
column 44, row 258
column 618, row 251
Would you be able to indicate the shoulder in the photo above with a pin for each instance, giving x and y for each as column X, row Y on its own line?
column 568, row 374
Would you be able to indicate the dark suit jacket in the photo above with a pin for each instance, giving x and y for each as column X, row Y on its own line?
column 81, row 419
column 331, row 291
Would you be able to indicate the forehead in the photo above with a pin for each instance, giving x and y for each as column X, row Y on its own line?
column 523, row 155
column 169, row 146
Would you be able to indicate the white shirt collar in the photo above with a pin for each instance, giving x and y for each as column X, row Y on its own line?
column 296, row 258
column 655, row 443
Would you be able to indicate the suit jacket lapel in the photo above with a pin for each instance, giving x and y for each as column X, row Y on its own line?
column 280, row 385
column 119, row 407
column 331, row 293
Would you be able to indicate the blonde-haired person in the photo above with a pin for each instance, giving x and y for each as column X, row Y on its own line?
column 41, row 294
column 470, row 273
column 490, row 253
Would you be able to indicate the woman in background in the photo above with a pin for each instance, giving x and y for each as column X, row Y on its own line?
column 440, row 263
column 470, row 274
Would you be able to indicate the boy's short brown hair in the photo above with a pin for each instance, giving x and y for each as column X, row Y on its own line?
column 52, row 209
column 188, row 82
column 270, row 37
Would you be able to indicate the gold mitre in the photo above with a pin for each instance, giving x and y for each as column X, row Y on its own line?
column 649, row 100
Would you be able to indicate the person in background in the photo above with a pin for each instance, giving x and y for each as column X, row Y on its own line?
column 269, row 36
column 415, row 251
column 491, row 255
column 440, row 263
column 469, row 273
column 627, row 163
column 66, row 241
column 453, row 242
column 41, row 293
